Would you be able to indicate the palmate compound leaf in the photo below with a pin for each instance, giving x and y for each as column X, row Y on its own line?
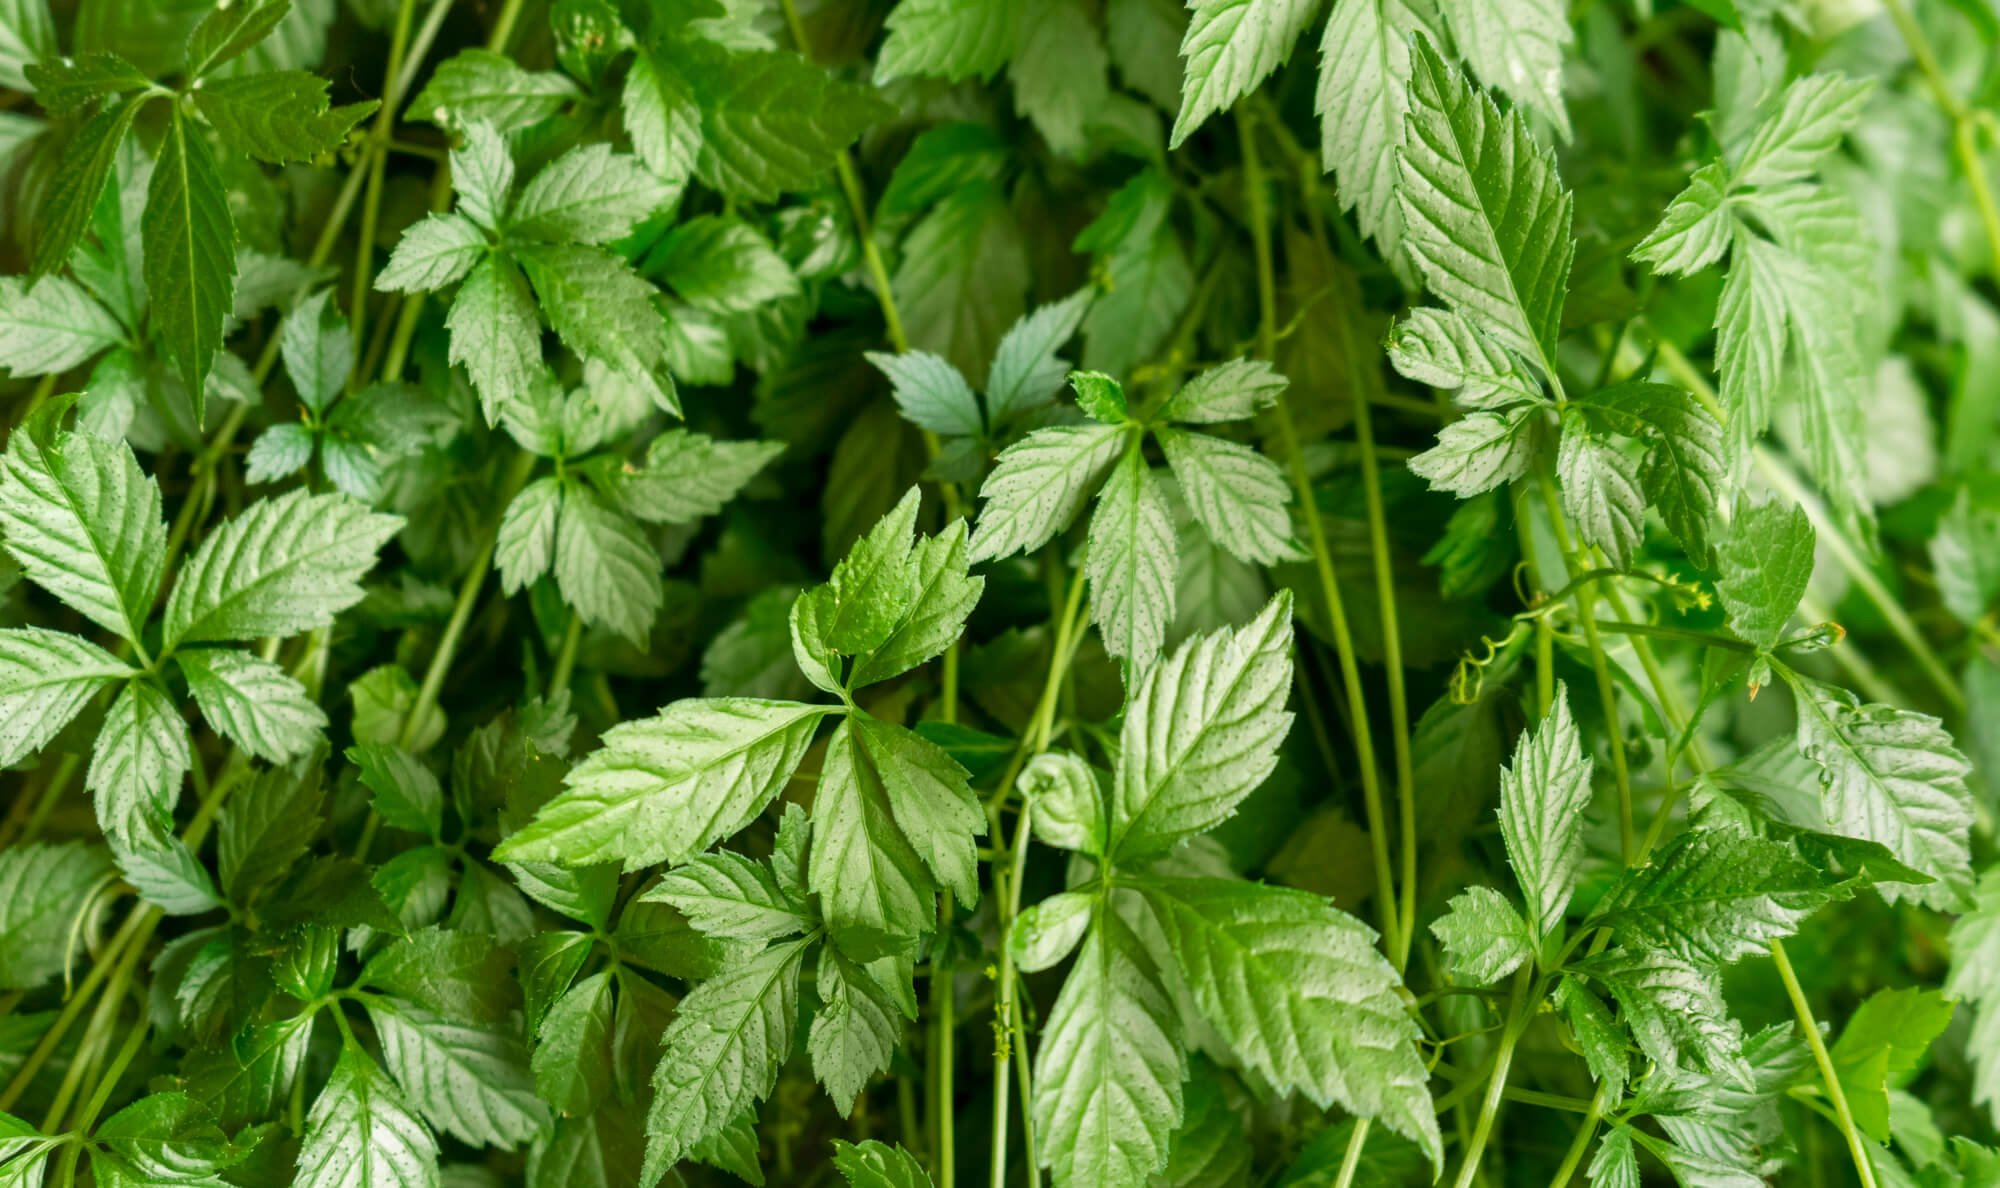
column 1543, row 796
column 1716, row 895
column 665, row 788
column 1201, row 732
column 1684, row 467
column 1110, row 1065
column 362, row 1131
column 943, row 596
column 1891, row 776
column 1131, row 561
column 1487, row 218
column 1302, row 995
column 286, row 564
column 84, row 521
column 722, row 1052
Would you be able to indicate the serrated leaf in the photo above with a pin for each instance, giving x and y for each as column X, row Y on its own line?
column 1696, row 229
column 948, row 39
column 721, row 264
column 407, row 794
column 84, row 522
column 266, row 829
column 433, row 253
column 1235, row 391
column 362, row 1131
column 665, row 788
column 62, row 85
column 1815, row 113
column 932, row 800
column 943, row 595
column 495, row 334
column 722, row 1052
column 1130, row 561
column 876, row 893
column 141, row 757
column 453, row 974
column 1674, row 1009
column 1684, row 467
column 51, row 325
column 1231, row 46
column 1603, row 1044
column 254, row 704
column 526, row 543
column 318, row 351
column 1039, row 485
column 1300, row 992
column 963, row 280
column 277, row 116
column 1480, row 452
column 588, row 195
column 1484, row 938
column 79, row 182
column 1109, row 1067
column 1026, row 371
column 1542, row 800
column 1238, row 496
column 1201, row 733
column 772, row 121
column 930, row 392
column 688, row 476
column 190, row 247
column 607, row 570
column 41, row 885
column 286, row 564
column 1516, row 47
column 481, row 86
column 1362, row 101
column 1715, row 895
column 1766, row 561
column 1881, row 1047
column 572, row 1061
column 1600, row 490
column 1487, row 218
column 854, row 1032
column 471, row 1082
column 600, row 309
column 729, row 897
column 1891, row 776
column 1443, row 349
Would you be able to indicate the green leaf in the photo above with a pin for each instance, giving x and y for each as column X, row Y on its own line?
column 136, row 768
column 41, row 886
column 1487, row 218
column 1673, row 1008
column 1684, row 468
column 1600, row 490
column 286, row 564
column 1443, row 349
column 455, row 975
column 1975, row 944
column 482, row 174
column 79, row 182
column 662, row 118
column 1542, row 801
column 930, row 392
column 229, row 31
column 1766, row 561
column 729, row 897
column 1715, row 895
column 1484, row 938
column 722, row 1052
column 722, row 264
column 876, row 893
column 944, row 593
column 1881, row 1047
column 362, row 1131
column 407, row 794
column 1039, row 485
column 1235, row 391
column 872, row 587
column 1891, row 776
column 1061, row 74
column 1027, row 371
column 572, row 1061
column 588, row 195
column 1238, row 496
column 1210, row 1149
column 83, row 520
column 607, row 570
column 526, row 544
column 963, row 281
column 433, row 253
column 1299, row 991
column 1616, row 1164
column 1480, row 452
column 1130, row 560
column 1201, row 732
column 1516, row 47
column 51, row 326
column 1109, row 1067
column 854, row 1032
column 665, row 788
column 495, row 334
column 481, row 86
column 877, row 1165
column 1603, row 1044
column 771, row 121
column 27, row 35
column 932, row 800
column 1697, row 228
column 1047, row 932
column 190, row 246
column 688, row 476
column 278, row 116
column 1363, row 103
column 1069, row 806
column 471, row 1082
column 254, row 704
column 318, row 350
column 266, row 829
column 1230, row 47
column 1817, row 111
column 949, row 39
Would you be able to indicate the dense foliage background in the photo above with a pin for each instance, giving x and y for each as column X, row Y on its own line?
column 979, row 591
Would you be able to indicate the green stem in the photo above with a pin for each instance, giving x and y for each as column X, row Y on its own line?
column 566, row 657
column 1585, row 1131
column 944, row 1010
column 1863, row 1165
column 1964, row 121
column 1510, row 1035
column 376, row 168
column 1006, row 1010
column 1343, row 639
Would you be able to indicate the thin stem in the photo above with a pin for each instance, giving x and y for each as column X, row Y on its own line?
column 1585, row 1131
column 1863, row 1165
column 1964, row 131
column 1517, row 1022
column 1007, row 1010
column 1343, row 639
column 376, row 168
column 566, row 657
column 944, row 1007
